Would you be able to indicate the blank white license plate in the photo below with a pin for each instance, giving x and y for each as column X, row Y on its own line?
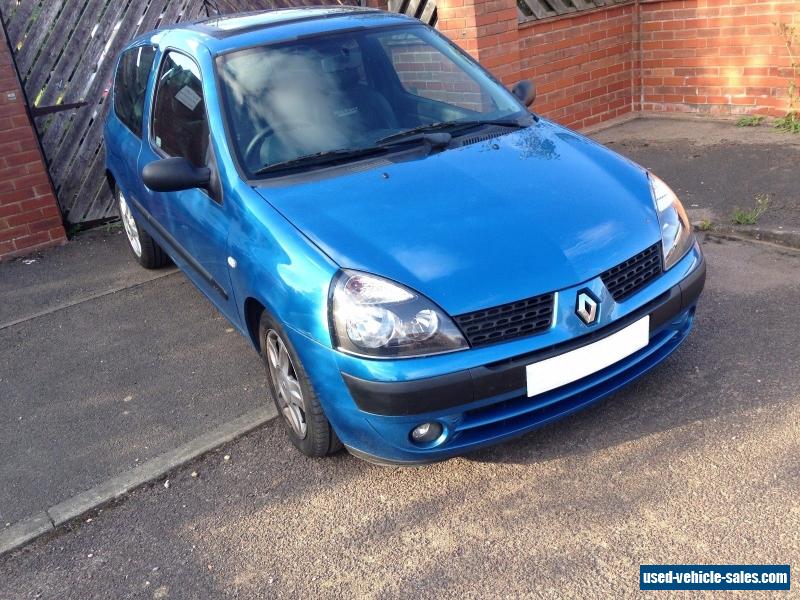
column 565, row 368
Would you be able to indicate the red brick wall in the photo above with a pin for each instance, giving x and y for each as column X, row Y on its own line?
column 583, row 65
column 29, row 215
column 430, row 75
column 487, row 29
column 718, row 57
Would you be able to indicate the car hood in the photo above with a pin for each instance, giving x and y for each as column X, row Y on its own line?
column 494, row 221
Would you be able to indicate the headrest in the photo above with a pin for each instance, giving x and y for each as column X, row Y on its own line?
column 342, row 68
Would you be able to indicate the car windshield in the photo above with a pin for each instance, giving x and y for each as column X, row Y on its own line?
column 351, row 91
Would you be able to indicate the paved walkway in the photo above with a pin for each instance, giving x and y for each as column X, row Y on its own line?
column 715, row 166
column 103, row 366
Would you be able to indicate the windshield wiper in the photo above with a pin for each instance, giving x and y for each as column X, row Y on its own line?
column 435, row 140
column 449, row 126
column 320, row 158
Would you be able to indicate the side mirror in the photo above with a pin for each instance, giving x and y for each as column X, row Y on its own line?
column 175, row 174
column 525, row 91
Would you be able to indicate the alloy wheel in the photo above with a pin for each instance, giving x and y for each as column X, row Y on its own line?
column 285, row 383
column 129, row 224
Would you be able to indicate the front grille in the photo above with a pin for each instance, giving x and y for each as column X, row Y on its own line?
column 507, row 322
column 630, row 276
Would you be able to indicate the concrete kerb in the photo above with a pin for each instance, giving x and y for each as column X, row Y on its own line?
column 780, row 237
column 29, row 529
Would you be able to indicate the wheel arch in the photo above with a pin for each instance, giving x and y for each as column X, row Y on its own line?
column 277, row 271
column 111, row 180
column 253, row 308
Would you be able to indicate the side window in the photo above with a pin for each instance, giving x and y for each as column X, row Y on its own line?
column 424, row 71
column 130, row 85
column 179, row 113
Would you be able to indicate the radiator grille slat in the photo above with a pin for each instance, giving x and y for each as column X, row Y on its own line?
column 631, row 275
column 508, row 321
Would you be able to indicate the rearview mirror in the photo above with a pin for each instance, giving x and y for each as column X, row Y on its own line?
column 525, row 91
column 175, row 174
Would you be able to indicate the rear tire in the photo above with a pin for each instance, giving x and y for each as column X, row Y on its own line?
column 143, row 247
column 302, row 414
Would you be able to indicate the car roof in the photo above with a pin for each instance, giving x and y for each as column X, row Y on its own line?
column 224, row 33
column 233, row 24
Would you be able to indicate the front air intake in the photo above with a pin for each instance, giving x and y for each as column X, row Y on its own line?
column 630, row 276
column 508, row 321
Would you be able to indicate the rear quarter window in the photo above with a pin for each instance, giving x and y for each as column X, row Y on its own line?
column 130, row 85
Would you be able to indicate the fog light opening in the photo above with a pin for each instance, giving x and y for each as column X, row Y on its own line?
column 426, row 433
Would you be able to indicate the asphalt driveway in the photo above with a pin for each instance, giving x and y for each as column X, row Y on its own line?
column 104, row 365
column 695, row 463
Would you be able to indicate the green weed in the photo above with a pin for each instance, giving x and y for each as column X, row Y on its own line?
column 704, row 225
column 789, row 123
column 750, row 121
column 751, row 216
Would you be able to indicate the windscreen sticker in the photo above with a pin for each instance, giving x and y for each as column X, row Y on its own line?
column 188, row 97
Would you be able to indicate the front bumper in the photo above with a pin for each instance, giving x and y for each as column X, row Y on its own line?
column 487, row 402
column 456, row 389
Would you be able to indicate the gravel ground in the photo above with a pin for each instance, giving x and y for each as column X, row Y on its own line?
column 696, row 462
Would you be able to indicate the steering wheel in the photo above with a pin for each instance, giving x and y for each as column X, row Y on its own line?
column 258, row 139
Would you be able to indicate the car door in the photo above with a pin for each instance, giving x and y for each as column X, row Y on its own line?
column 125, row 126
column 193, row 223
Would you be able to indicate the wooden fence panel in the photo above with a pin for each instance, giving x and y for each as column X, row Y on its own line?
column 22, row 13
column 531, row 10
column 41, row 30
column 424, row 10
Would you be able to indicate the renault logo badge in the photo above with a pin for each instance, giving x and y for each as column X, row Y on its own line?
column 586, row 307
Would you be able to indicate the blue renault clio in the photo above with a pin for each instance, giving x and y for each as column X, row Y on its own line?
column 425, row 266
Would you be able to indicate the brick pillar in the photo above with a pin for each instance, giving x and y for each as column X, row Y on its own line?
column 487, row 29
column 29, row 215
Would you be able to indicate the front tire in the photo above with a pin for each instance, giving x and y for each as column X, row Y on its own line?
column 143, row 247
column 302, row 414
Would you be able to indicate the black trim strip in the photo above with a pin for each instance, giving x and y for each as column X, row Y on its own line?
column 180, row 250
column 463, row 387
column 387, row 462
column 404, row 398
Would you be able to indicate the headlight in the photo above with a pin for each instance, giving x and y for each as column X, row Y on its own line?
column 676, row 232
column 372, row 316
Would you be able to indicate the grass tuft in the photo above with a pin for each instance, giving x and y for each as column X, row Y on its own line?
column 789, row 123
column 750, row 121
column 704, row 225
column 751, row 216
